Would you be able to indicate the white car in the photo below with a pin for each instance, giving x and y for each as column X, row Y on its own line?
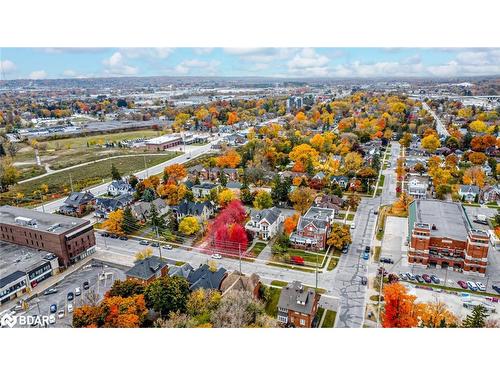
column 70, row 307
column 52, row 319
column 60, row 314
column 216, row 256
column 77, row 291
column 480, row 286
column 353, row 226
column 167, row 247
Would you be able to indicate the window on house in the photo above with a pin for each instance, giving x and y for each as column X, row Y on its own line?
column 302, row 322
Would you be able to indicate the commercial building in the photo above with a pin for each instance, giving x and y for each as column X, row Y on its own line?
column 70, row 238
column 22, row 268
column 164, row 142
column 441, row 236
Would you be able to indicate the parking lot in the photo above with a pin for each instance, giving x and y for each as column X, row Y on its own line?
column 98, row 285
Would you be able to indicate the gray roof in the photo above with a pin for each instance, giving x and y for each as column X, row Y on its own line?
column 205, row 185
column 51, row 223
column 12, row 277
column 120, row 184
column 181, row 271
column 268, row 214
column 205, row 279
column 296, row 298
column 464, row 189
column 234, row 185
column 76, row 199
column 319, row 217
column 146, row 268
column 448, row 217
column 192, row 208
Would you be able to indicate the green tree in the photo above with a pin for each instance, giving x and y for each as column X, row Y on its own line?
column 154, row 218
column 129, row 224
column 148, row 195
column 223, row 179
column 263, row 200
column 115, row 175
column 476, row 319
column 126, row 288
column 167, row 294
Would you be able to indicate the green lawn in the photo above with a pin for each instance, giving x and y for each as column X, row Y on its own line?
column 257, row 248
column 376, row 254
column 271, row 307
column 329, row 319
column 332, row 264
column 350, row 217
column 279, row 283
column 381, row 181
column 84, row 177
column 379, row 192
column 309, row 258
column 320, row 313
column 291, row 267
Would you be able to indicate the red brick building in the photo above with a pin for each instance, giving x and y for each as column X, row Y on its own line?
column 297, row 305
column 71, row 239
column 441, row 236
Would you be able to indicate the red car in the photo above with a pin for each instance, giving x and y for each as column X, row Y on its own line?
column 426, row 278
column 297, row 260
column 463, row 284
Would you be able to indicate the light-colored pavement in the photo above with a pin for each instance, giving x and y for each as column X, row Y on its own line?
column 440, row 128
column 157, row 169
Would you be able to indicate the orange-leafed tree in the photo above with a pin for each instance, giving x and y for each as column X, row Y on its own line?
column 290, row 223
column 230, row 159
column 114, row 222
column 232, row 118
column 151, row 182
column 172, row 192
column 436, row 315
column 474, row 176
column 477, row 158
column 300, row 116
column 174, row 172
column 400, row 309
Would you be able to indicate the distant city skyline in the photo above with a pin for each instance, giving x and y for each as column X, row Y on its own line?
column 57, row 63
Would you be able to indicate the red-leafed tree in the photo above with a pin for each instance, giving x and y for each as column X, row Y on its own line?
column 227, row 232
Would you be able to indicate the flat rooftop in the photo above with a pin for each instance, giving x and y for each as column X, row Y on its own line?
column 50, row 223
column 319, row 213
column 163, row 139
column 18, row 258
column 448, row 217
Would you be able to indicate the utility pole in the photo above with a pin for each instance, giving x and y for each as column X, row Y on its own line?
column 239, row 252
column 41, row 198
column 158, row 240
column 71, row 182
column 316, row 287
column 145, row 165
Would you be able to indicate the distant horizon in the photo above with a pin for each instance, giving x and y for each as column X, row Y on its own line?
column 251, row 63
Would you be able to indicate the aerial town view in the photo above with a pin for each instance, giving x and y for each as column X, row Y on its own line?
column 342, row 200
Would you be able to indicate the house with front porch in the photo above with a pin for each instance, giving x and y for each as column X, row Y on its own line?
column 265, row 223
column 313, row 229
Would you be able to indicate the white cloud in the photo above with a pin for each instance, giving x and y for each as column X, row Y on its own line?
column 203, row 51
column 155, row 53
column 199, row 67
column 308, row 63
column 69, row 73
column 38, row 74
column 7, row 66
column 76, row 50
column 261, row 55
column 116, row 66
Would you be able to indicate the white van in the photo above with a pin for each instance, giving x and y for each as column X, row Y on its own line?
column 481, row 287
column 472, row 285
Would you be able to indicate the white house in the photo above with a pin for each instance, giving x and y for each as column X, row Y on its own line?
column 119, row 187
column 265, row 223
column 417, row 186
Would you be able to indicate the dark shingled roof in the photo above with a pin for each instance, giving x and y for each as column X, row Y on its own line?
column 12, row 277
column 146, row 268
column 205, row 279
column 296, row 298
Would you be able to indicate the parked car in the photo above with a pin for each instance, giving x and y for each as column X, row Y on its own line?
column 472, row 285
column 375, row 212
column 353, row 226
column 386, row 260
column 367, row 249
column 167, row 247
column 410, row 276
column 481, row 286
column 155, row 244
column 216, row 256
column 435, row 279
column 381, row 270
column 419, row 278
column 364, row 280
column 52, row 319
column 496, row 288
column 345, row 249
column 71, row 296
column 426, row 278
column 113, row 235
column 105, row 234
column 366, row 255
column 86, row 285
column 60, row 314
column 53, row 308
column 78, row 291
column 462, row 284
column 70, row 308
column 50, row 291
column 143, row 242
column 403, row 277
column 124, row 238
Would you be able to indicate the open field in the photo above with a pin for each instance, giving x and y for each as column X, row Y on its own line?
column 83, row 177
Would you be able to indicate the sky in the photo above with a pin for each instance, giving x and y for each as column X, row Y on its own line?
column 46, row 63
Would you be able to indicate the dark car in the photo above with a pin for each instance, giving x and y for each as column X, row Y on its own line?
column 155, row 244
column 375, row 212
column 386, row 260
column 143, row 242
column 345, row 249
column 86, row 285
column 435, row 279
column 496, row 288
column 124, row 238
column 71, row 296
column 50, row 291
column 105, row 234
column 364, row 280
column 382, row 270
column 426, row 278
column 113, row 235
column 419, row 278
column 53, row 308
column 462, row 284
column 367, row 249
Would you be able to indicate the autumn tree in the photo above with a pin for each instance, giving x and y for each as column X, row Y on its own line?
column 125, row 288
column 400, row 309
column 143, row 254
column 263, row 200
column 431, row 143
column 290, row 223
column 478, row 126
column 172, row 192
column 302, row 198
column 230, row 159
column 189, row 225
column 340, row 236
column 114, row 222
column 174, row 172
column 477, row 158
column 436, row 315
column 353, row 161
column 225, row 197
column 474, row 176
column 402, row 204
column 304, row 154
column 405, row 140
column 8, row 173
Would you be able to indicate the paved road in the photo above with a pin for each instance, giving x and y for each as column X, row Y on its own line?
column 157, row 169
column 440, row 128
column 352, row 267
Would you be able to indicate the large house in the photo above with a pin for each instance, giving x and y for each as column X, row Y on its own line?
column 342, row 181
column 200, row 210
column 148, row 269
column 205, row 278
column 329, row 201
column 490, row 194
column 141, row 210
column 103, row 206
column 238, row 281
column 468, row 193
column 204, row 189
column 297, row 306
column 199, row 171
column 119, row 187
column 313, row 228
column 77, row 204
column 265, row 223
column 417, row 186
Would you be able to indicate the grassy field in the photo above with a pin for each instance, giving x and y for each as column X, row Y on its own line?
column 279, row 283
column 93, row 174
column 332, row 264
column 257, row 248
column 329, row 319
column 271, row 307
column 291, row 267
column 350, row 217
column 376, row 254
column 309, row 258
